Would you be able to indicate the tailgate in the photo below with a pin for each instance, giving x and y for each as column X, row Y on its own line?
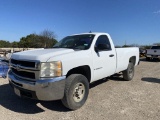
column 153, row 52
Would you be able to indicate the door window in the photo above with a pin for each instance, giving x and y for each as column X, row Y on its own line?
column 103, row 40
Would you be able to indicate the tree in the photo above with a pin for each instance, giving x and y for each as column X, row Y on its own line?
column 48, row 34
column 48, row 38
column 45, row 39
column 24, row 43
column 156, row 44
column 146, row 46
column 131, row 45
column 29, row 41
column 134, row 45
column 118, row 46
column 5, row 44
column 126, row 46
column 15, row 44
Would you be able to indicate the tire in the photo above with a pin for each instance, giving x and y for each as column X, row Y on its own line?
column 129, row 72
column 147, row 58
column 76, row 91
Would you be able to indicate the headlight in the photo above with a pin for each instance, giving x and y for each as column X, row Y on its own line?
column 51, row 69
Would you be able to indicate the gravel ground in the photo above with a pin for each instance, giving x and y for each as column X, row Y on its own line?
column 110, row 99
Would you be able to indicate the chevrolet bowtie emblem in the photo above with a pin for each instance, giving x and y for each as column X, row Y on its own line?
column 17, row 67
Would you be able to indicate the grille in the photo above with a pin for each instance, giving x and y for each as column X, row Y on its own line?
column 23, row 63
column 24, row 74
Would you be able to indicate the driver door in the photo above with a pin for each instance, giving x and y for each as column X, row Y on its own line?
column 104, row 60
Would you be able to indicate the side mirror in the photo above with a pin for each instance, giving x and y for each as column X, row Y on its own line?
column 103, row 47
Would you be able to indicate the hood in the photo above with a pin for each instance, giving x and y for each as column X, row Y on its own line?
column 40, row 54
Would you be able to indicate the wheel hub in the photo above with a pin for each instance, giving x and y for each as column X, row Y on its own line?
column 79, row 92
column 130, row 72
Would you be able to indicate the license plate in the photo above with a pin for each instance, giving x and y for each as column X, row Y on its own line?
column 17, row 92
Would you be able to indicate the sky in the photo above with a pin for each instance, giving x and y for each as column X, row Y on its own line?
column 127, row 21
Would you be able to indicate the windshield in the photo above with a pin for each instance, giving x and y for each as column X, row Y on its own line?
column 82, row 42
column 155, row 47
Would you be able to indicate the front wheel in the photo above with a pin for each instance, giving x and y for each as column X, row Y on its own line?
column 76, row 91
column 129, row 72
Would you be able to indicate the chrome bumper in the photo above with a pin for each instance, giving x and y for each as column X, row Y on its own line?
column 43, row 89
column 153, row 56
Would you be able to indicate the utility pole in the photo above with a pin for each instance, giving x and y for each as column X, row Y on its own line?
column 125, row 43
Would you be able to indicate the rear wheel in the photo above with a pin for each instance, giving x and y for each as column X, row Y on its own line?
column 76, row 91
column 129, row 72
column 147, row 58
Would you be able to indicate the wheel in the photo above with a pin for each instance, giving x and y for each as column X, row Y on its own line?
column 129, row 72
column 147, row 58
column 76, row 91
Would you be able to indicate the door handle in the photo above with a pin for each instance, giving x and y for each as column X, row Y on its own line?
column 111, row 55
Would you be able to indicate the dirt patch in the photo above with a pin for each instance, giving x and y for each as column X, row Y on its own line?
column 110, row 99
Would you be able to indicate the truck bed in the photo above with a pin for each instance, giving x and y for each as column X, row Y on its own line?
column 123, row 55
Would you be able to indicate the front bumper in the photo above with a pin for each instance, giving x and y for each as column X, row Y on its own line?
column 153, row 56
column 44, row 89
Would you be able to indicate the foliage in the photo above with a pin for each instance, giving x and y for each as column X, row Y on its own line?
column 5, row 44
column 47, row 37
column 131, row 45
column 146, row 46
column 15, row 44
column 118, row 46
column 126, row 46
column 44, row 40
column 156, row 44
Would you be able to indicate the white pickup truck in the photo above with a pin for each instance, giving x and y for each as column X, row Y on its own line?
column 154, row 52
column 65, row 71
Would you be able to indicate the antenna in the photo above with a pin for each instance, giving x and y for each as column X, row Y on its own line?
column 90, row 31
